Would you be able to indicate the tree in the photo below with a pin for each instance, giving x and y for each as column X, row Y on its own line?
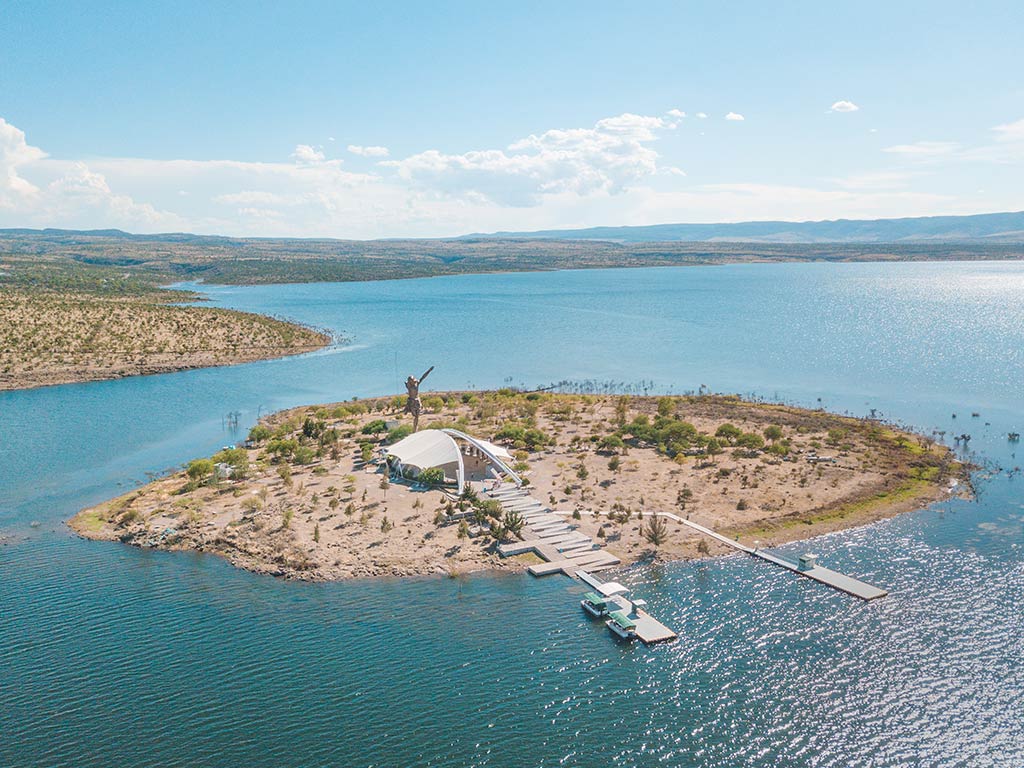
column 728, row 432
column 683, row 498
column 304, row 455
column 751, row 441
column 384, row 485
column 374, row 427
column 655, row 530
column 259, row 433
column 611, row 444
column 236, row 458
column 200, row 471
column 621, row 411
column 614, row 463
column 712, row 448
column 513, row 523
column 285, row 472
column 666, row 406
column 773, row 433
column 399, row 433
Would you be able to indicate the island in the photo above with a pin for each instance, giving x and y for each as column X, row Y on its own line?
column 315, row 493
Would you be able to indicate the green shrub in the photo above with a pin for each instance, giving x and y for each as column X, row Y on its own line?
column 304, row 455
column 200, row 471
column 259, row 433
column 374, row 427
column 237, row 459
column 398, row 433
column 431, row 476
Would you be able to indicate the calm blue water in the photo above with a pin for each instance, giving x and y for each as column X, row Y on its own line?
column 112, row 656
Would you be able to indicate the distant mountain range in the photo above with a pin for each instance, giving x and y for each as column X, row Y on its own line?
column 990, row 227
column 982, row 227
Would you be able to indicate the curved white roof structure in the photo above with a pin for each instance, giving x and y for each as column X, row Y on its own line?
column 438, row 448
column 429, row 448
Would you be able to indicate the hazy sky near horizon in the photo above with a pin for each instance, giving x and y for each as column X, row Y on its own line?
column 431, row 119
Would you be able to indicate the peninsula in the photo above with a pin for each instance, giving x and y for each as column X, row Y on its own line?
column 62, row 323
column 309, row 495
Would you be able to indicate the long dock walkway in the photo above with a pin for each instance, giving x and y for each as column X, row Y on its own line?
column 825, row 576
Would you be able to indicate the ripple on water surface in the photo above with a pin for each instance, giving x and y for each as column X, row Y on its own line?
column 115, row 656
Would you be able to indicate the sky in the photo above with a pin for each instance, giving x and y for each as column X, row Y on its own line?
column 369, row 120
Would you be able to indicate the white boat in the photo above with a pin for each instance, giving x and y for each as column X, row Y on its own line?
column 596, row 605
column 621, row 625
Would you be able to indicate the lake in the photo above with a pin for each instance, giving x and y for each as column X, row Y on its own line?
column 117, row 656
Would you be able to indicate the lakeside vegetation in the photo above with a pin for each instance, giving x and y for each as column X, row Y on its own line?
column 162, row 259
column 65, row 322
column 301, row 500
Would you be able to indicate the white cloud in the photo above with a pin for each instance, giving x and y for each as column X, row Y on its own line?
column 843, row 106
column 734, row 116
column 877, row 180
column 924, row 148
column 702, row 115
column 676, row 113
column 608, row 158
column 304, row 153
column 355, row 149
column 74, row 195
column 1010, row 131
column 15, row 153
column 609, row 173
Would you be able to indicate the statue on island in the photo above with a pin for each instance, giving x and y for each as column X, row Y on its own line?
column 413, row 404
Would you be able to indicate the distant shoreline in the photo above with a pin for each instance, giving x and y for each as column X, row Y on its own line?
column 163, row 260
column 53, row 339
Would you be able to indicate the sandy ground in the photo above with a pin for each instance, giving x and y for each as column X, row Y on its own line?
column 332, row 519
column 48, row 338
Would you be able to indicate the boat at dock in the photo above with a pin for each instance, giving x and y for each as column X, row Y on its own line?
column 597, row 605
column 621, row 625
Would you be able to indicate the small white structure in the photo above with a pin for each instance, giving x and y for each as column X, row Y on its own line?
column 808, row 561
column 460, row 456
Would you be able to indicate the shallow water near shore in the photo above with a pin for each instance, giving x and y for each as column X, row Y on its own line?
column 117, row 656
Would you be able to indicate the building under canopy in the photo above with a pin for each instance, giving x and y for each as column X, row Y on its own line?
column 461, row 457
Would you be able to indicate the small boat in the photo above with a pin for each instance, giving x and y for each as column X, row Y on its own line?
column 596, row 605
column 620, row 624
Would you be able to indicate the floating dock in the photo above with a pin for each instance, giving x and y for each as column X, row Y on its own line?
column 808, row 568
column 565, row 550
column 648, row 629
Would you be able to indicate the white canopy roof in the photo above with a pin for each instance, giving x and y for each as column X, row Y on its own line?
column 437, row 448
column 496, row 450
column 429, row 448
